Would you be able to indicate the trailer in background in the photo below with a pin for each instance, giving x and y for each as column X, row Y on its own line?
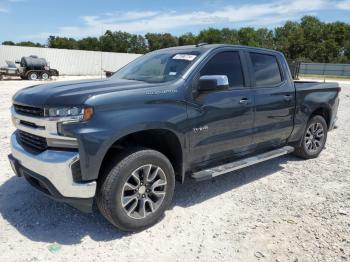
column 31, row 68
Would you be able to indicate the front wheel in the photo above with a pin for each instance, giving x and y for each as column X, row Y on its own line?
column 32, row 76
column 314, row 138
column 135, row 192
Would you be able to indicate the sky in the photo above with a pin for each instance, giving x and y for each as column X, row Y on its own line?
column 35, row 20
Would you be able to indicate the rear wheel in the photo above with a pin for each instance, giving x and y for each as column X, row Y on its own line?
column 136, row 191
column 314, row 138
column 32, row 76
column 45, row 76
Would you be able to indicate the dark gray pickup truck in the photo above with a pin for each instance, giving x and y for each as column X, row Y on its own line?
column 192, row 111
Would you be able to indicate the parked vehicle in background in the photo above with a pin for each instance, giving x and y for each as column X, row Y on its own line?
column 191, row 111
column 31, row 68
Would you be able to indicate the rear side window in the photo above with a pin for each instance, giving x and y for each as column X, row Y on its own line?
column 226, row 63
column 266, row 69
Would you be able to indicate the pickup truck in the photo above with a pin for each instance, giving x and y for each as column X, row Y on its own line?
column 184, row 112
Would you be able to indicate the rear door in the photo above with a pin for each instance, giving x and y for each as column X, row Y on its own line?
column 221, row 120
column 274, row 99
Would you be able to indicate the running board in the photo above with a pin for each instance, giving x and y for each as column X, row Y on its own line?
column 226, row 168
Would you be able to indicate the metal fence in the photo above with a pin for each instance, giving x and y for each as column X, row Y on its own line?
column 325, row 69
column 70, row 62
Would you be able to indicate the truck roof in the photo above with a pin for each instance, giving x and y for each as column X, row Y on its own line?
column 205, row 47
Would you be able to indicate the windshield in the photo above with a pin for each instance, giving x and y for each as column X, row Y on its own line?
column 158, row 67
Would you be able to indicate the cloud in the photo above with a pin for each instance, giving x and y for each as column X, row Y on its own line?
column 344, row 5
column 5, row 5
column 3, row 10
column 266, row 14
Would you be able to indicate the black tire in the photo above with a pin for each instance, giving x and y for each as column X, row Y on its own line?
column 1, row 77
column 45, row 75
column 112, row 189
column 306, row 149
column 32, row 76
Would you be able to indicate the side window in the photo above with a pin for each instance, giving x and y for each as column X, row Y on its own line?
column 226, row 63
column 266, row 69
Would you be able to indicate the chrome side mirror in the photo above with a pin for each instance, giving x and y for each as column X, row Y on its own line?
column 213, row 82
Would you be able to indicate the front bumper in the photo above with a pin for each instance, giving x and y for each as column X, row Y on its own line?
column 51, row 170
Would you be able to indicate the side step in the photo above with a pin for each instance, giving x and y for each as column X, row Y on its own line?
column 226, row 168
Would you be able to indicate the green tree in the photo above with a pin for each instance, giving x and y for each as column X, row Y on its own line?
column 8, row 43
column 89, row 43
column 289, row 39
column 313, row 30
column 137, row 44
column 30, row 44
column 187, row 39
column 158, row 41
column 248, row 36
column 309, row 40
column 264, row 38
column 210, row 36
column 62, row 42
column 229, row 36
column 123, row 42
column 107, row 41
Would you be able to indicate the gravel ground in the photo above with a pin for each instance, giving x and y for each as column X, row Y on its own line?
column 285, row 209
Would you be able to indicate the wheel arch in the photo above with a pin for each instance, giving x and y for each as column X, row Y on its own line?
column 323, row 111
column 163, row 140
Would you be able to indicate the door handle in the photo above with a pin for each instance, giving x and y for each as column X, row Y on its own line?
column 244, row 101
column 287, row 98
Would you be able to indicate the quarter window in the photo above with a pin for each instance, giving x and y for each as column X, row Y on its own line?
column 266, row 70
column 226, row 63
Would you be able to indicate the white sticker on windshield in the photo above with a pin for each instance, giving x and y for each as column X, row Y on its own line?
column 172, row 73
column 184, row 57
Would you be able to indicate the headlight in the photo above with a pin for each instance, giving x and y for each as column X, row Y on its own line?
column 65, row 111
column 71, row 113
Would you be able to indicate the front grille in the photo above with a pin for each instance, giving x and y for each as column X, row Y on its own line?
column 29, row 110
column 30, row 124
column 33, row 141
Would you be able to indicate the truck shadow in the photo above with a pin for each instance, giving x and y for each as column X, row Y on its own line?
column 192, row 192
column 42, row 219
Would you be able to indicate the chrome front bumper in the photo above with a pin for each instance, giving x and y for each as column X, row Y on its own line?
column 54, row 165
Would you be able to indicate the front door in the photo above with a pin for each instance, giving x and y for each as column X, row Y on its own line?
column 221, row 120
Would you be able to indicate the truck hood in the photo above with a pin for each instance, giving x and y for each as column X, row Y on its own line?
column 72, row 92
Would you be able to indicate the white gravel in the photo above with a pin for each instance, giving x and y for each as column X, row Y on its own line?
column 285, row 209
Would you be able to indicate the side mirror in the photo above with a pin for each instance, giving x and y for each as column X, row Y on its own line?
column 108, row 73
column 213, row 82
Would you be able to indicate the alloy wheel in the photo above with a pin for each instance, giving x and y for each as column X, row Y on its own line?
column 314, row 138
column 144, row 191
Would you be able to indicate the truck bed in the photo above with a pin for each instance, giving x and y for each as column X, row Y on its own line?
column 303, row 85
